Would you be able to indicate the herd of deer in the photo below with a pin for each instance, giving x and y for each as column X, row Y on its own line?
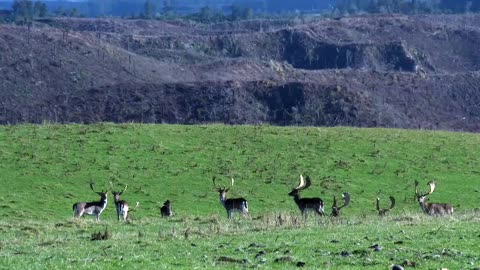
column 241, row 205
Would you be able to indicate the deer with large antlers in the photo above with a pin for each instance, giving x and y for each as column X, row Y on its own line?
column 91, row 208
column 305, row 204
column 231, row 205
column 384, row 211
column 120, row 205
column 336, row 209
column 432, row 209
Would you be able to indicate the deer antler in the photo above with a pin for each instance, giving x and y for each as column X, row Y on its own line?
column 91, row 186
column 346, row 198
column 309, row 182
column 301, row 184
column 432, row 187
column 392, row 200
column 304, row 184
column 111, row 187
column 214, row 184
column 219, row 188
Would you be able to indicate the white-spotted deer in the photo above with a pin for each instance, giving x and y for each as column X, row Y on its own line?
column 306, row 204
column 231, row 205
column 91, row 208
column 335, row 208
column 120, row 205
column 432, row 209
column 166, row 209
column 384, row 211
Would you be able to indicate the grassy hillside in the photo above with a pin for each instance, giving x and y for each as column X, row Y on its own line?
column 44, row 169
column 51, row 165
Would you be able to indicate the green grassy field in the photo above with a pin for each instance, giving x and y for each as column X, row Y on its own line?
column 44, row 169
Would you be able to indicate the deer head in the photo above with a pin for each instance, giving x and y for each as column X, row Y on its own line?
column 384, row 211
column 116, row 194
column 335, row 208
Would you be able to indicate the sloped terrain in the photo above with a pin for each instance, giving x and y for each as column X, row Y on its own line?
column 392, row 71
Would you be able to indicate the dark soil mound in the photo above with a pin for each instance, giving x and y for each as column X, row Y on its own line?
column 389, row 71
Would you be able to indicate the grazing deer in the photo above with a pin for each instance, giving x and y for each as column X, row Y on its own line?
column 335, row 209
column 432, row 209
column 231, row 205
column 384, row 211
column 91, row 208
column 121, row 205
column 166, row 209
column 304, row 204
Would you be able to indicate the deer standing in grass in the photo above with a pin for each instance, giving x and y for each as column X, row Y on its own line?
column 335, row 208
column 306, row 204
column 166, row 209
column 91, row 208
column 231, row 205
column 384, row 211
column 120, row 205
column 432, row 209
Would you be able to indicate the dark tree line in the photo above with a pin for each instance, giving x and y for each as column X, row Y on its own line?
column 406, row 6
column 208, row 11
column 210, row 15
column 24, row 11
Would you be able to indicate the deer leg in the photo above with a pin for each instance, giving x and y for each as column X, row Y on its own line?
column 304, row 214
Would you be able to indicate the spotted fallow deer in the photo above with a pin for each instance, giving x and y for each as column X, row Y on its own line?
column 231, row 205
column 335, row 208
column 120, row 205
column 432, row 209
column 384, row 211
column 306, row 204
column 91, row 208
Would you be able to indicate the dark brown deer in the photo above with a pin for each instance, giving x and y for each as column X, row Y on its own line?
column 121, row 205
column 335, row 208
column 91, row 208
column 306, row 204
column 166, row 209
column 384, row 211
column 432, row 209
column 231, row 205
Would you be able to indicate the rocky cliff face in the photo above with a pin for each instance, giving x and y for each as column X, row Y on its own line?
column 388, row 71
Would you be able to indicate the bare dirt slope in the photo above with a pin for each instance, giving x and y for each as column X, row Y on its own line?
column 391, row 71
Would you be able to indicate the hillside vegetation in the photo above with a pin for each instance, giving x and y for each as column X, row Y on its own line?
column 418, row 71
column 44, row 169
